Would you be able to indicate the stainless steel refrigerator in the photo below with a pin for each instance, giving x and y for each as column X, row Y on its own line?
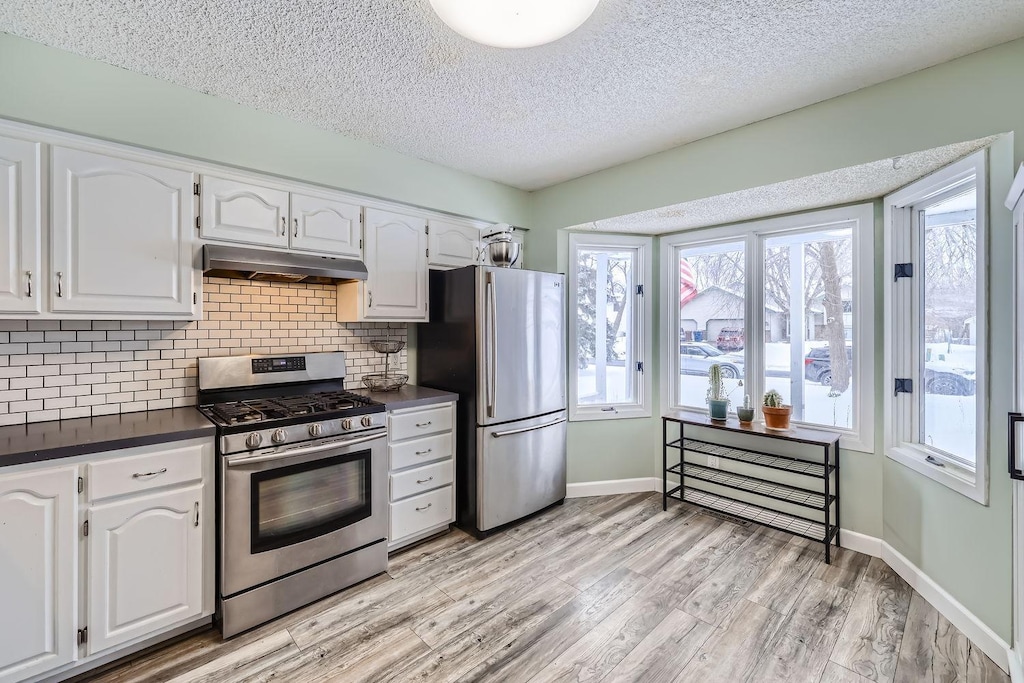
column 496, row 337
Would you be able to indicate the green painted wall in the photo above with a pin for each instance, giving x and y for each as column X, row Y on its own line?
column 963, row 546
column 49, row 87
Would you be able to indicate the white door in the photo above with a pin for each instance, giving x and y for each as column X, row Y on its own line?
column 38, row 571
column 145, row 565
column 20, row 226
column 242, row 212
column 326, row 225
column 453, row 245
column 396, row 258
column 122, row 237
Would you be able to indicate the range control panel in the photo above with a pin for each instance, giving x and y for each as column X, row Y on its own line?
column 281, row 364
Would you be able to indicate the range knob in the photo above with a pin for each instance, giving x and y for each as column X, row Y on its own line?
column 279, row 436
column 367, row 421
column 254, row 440
column 346, row 424
column 316, row 429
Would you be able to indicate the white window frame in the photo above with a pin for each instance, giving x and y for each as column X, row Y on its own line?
column 901, row 328
column 640, row 328
column 861, row 219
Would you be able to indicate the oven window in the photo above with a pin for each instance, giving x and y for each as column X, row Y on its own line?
column 299, row 502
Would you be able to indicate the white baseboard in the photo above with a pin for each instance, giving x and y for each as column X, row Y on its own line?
column 612, row 487
column 948, row 606
column 981, row 635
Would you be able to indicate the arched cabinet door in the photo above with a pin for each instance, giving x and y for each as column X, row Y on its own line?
column 145, row 565
column 122, row 237
column 326, row 225
column 20, row 226
column 237, row 211
column 38, row 571
column 396, row 258
column 453, row 245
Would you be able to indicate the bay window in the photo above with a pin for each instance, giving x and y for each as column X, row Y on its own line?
column 609, row 330
column 935, row 320
column 782, row 303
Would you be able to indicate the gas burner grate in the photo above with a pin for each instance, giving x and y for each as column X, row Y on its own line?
column 259, row 410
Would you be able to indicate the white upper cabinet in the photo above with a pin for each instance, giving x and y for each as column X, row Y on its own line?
column 38, row 549
column 243, row 212
column 326, row 225
column 453, row 245
column 20, row 225
column 145, row 565
column 122, row 237
column 395, row 251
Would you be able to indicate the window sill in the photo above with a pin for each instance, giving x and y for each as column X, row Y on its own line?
column 960, row 480
column 591, row 414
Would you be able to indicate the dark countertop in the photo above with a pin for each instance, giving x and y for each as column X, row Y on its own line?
column 409, row 396
column 41, row 441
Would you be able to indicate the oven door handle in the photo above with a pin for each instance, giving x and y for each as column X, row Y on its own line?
column 237, row 461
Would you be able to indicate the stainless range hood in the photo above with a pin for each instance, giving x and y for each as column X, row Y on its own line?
column 280, row 266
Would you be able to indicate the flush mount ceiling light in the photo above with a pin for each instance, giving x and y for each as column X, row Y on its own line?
column 514, row 23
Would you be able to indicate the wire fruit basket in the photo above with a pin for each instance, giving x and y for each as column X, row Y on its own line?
column 385, row 381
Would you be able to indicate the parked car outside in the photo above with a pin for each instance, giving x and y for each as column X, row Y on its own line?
column 696, row 358
column 730, row 340
column 940, row 377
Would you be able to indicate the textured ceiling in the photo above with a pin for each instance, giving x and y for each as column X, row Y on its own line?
column 842, row 186
column 639, row 77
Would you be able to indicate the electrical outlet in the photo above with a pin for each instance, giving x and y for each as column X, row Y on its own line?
column 713, row 462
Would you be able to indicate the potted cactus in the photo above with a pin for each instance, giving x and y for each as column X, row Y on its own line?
column 746, row 412
column 776, row 413
column 718, row 399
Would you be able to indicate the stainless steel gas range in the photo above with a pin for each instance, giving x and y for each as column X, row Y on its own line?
column 302, row 483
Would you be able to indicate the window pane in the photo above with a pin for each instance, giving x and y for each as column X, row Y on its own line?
column 949, row 334
column 606, row 353
column 711, row 320
column 808, row 324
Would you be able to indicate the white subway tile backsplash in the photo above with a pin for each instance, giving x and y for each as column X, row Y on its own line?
column 61, row 369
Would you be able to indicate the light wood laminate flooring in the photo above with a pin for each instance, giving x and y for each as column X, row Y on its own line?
column 600, row 589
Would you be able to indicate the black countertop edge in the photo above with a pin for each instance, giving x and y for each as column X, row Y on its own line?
column 45, row 441
column 409, row 396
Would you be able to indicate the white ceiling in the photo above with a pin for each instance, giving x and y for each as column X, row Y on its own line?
column 834, row 188
column 639, row 77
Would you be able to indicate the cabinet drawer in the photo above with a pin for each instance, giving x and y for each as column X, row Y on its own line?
column 411, row 482
column 421, row 451
column 136, row 473
column 420, row 513
column 421, row 422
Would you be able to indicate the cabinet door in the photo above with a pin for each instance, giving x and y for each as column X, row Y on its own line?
column 38, row 571
column 122, row 237
column 396, row 258
column 453, row 245
column 327, row 226
column 145, row 565
column 241, row 212
column 20, row 227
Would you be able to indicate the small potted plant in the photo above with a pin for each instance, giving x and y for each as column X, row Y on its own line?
column 776, row 413
column 746, row 412
column 718, row 399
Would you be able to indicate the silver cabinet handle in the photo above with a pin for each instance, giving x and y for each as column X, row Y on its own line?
column 509, row 432
column 60, row 280
column 196, row 522
column 296, row 233
column 144, row 475
column 28, row 276
column 284, row 226
column 424, row 452
column 369, row 295
column 424, row 481
column 428, row 505
column 424, row 424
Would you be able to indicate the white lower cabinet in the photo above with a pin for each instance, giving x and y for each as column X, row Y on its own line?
column 38, row 571
column 145, row 565
column 148, row 555
column 421, row 448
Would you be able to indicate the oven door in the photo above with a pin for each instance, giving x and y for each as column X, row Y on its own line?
column 285, row 509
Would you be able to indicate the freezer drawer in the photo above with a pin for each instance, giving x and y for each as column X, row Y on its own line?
column 520, row 468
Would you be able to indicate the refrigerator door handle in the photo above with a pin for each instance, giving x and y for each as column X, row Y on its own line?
column 492, row 343
column 1014, row 419
column 509, row 432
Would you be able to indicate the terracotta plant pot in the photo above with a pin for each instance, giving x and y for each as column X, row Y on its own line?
column 776, row 418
